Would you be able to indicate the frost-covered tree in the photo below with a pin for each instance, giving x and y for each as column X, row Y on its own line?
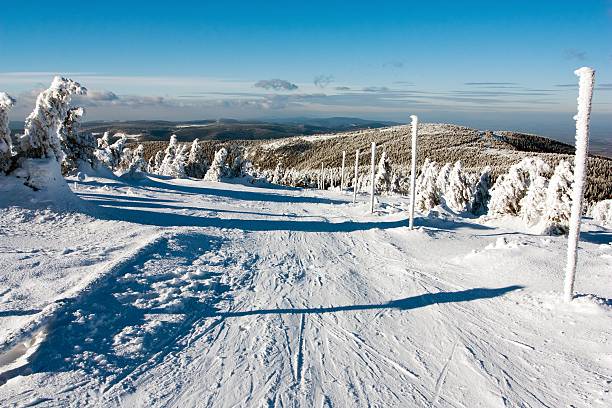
column 278, row 174
column 558, row 200
column 177, row 169
column 155, row 162
column 79, row 148
column 41, row 137
column 132, row 161
column 166, row 167
column 427, row 196
column 240, row 167
column 217, row 168
column 110, row 154
column 443, row 176
column 533, row 204
column 6, row 144
column 382, row 179
column 510, row 188
column 458, row 191
column 602, row 212
column 196, row 162
column 480, row 194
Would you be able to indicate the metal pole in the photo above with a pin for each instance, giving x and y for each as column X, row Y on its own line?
column 415, row 125
column 585, row 95
column 372, row 169
column 356, row 181
column 342, row 175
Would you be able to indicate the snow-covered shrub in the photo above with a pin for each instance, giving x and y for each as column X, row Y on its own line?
column 6, row 144
column 458, row 191
column 509, row 189
column 132, row 161
column 178, row 165
column 427, row 196
column 41, row 138
column 155, row 162
column 558, row 200
column 480, row 194
column 217, row 168
column 382, row 179
column 79, row 148
column 602, row 212
column 196, row 162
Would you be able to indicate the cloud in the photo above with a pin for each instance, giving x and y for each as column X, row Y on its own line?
column 574, row 54
column 323, row 80
column 393, row 64
column 276, row 84
column 491, row 83
column 403, row 83
column 102, row 96
column 376, row 89
column 342, row 88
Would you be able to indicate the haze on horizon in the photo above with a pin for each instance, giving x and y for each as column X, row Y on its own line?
column 484, row 65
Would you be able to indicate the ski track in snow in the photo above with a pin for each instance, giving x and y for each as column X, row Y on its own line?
column 366, row 314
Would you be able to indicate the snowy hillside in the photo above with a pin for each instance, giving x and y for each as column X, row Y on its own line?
column 182, row 292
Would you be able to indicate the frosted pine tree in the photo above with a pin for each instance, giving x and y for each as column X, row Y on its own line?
column 278, row 174
column 532, row 205
column 110, row 154
column 79, row 148
column 135, row 160
column 458, row 191
column 166, row 167
column 196, row 162
column 602, row 212
column 443, row 176
column 217, row 168
column 6, row 144
column 382, row 179
column 177, row 169
column 41, row 138
column 558, row 200
column 427, row 196
column 480, row 194
column 509, row 189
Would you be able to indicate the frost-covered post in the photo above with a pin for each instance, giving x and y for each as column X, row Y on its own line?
column 321, row 179
column 342, row 175
column 585, row 94
column 356, row 180
column 372, row 171
column 414, row 125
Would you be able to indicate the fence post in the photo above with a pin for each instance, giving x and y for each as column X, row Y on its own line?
column 585, row 95
column 342, row 175
column 414, row 125
column 372, row 170
column 356, row 181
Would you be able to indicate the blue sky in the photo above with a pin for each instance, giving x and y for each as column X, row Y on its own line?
column 482, row 63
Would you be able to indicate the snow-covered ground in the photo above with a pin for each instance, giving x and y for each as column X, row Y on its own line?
column 191, row 293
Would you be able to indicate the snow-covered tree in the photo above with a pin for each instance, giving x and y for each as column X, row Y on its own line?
column 110, row 154
column 458, row 191
column 510, row 188
column 443, row 176
column 167, row 165
column 382, row 179
column 427, row 196
column 41, row 138
column 602, row 212
column 217, row 169
column 79, row 148
column 132, row 161
column 177, row 169
column 278, row 174
column 240, row 166
column 6, row 144
column 196, row 162
column 155, row 162
column 558, row 200
column 480, row 194
column 533, row 204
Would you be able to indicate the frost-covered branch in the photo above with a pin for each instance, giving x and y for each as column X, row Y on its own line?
column 6, row 145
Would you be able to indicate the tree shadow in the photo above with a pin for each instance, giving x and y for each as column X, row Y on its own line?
column 409, row 303
column 10, row 313
column 596, row 237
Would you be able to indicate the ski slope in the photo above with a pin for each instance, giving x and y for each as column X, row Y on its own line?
column 187, row 293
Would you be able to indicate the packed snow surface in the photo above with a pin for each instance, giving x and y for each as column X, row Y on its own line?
column 191, row 293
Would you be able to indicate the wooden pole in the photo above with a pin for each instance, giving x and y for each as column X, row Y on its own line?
column 415, row 125
column 372, row 170
column 356, row 181
column 342, row 175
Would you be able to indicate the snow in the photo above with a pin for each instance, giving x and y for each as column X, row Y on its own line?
column 182, row 292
